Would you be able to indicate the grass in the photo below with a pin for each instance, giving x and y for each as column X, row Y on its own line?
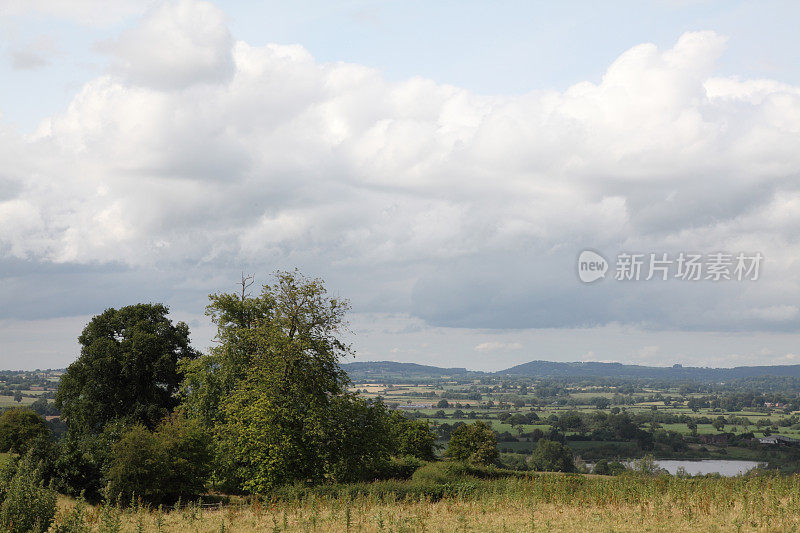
column 8, row 401
column 4, row 458
column 541, row 502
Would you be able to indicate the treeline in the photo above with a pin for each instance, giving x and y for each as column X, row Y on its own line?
column 149, row 417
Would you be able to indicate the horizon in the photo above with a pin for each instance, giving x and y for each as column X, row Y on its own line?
column 487, row 186
column 482, row 371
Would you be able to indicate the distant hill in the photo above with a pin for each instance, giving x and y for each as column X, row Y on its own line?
column 365, row 371
column 593, row 369
column 389, row 370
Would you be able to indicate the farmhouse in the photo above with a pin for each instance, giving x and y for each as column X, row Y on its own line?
column 779, row 439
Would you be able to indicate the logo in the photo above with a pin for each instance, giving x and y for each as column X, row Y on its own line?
column 591, row 266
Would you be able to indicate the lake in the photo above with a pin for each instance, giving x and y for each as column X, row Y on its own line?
column 725, row 467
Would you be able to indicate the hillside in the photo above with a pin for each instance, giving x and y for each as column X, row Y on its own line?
column 364, row 371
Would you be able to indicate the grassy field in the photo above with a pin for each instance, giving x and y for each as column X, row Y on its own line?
column 541, row 502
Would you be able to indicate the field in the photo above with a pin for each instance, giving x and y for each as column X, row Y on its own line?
column 515, row 408
column 539, row 502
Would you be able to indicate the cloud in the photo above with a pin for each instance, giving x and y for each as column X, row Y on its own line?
column 85, row 12
column 32, row 55
column 497, row 346
column 175, row 45
column 195, row 156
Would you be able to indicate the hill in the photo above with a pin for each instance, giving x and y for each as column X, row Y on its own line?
column 365, row 371
column 383, row 370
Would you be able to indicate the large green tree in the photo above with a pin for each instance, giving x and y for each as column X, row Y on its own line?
column 21, row 429
column 275, row 394
column 475, row 443
column 552, row 456
column 412, row 437
column 127, row 370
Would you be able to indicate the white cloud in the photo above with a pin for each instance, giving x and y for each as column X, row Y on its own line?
column 87, row 12
column 497, row 346
column 465, row 210
column 176, row 45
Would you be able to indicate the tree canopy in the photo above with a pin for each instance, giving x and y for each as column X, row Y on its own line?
column 20, row 429
column 274, row 393
column 127, row 369
column 475, row 443
column 552, row 456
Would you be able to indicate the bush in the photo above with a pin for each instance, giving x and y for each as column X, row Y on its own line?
column 441, row 472
column 399, row 468
column 79, row 463
column 28, row 506
column 411, row 437
column 475, row 443
column 551, row 456
column 604, row 468
column 161, row 465
column 21, row 429
column 75, row 520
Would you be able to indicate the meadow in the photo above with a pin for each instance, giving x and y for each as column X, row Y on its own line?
column 534, row 502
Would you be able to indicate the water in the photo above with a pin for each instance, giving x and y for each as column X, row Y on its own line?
column 725, row 467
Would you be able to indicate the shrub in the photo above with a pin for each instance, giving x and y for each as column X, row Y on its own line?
column 411, row 437
column 604, row 468
column 399, row 468
column 441, row 472
column 551, row 456
column 28, row 506
column 75, row 520
column 160, row 465
column 20, row 429
column 475, row 443
column 79, row 463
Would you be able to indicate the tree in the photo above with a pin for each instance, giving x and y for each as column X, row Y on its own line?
column 275, row 394
column 127, row 370
column 44, row 408
column 411, row 437
column 604, row 468
column 475, row 443
column 551, row 456
column 21, row 429
column 172, row 461
column 719, row 423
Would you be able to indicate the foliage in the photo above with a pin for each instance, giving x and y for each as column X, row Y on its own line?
column 606, row 468
column 647, row 466
column 75, row 521
column 551, row 456
column 127, row 370
column 275, row 394
column 80, row 461
column 412, row 437
column 170, row 462
column 475, row 443
column 402, row 467
column 20, row 429
column 441, row 472
column 28, row 505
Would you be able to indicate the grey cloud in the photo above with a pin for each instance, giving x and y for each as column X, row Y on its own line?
column 28, row 59
column 410, row 197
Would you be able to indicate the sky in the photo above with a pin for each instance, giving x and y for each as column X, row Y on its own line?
column 441, row 164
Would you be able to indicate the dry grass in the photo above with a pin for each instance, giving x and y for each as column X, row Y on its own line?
column 543, row 503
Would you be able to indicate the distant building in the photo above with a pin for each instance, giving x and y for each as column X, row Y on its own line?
column 719, row 438
column 778, row 439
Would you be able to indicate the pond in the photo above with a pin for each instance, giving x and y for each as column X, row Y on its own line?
column 725, row 467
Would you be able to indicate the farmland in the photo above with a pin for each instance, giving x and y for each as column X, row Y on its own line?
column 680, row 419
